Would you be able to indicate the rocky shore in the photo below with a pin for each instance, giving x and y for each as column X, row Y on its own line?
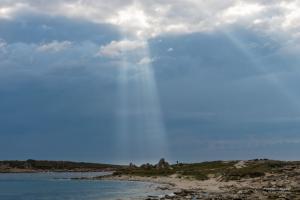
column 279, row 181
column 268, row 187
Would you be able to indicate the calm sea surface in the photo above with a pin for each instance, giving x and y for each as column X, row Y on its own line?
column 57, row 186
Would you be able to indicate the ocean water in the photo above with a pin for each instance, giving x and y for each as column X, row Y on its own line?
column 59, row 186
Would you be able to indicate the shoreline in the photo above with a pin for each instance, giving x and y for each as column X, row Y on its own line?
column 212, row 184
column 253, row 179
column 33, row 171
column 215, row 188
column 177, row 188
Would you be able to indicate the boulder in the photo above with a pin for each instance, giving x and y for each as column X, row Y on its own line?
column 162, row 164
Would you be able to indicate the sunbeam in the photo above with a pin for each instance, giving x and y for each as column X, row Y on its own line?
column 260, row 66
column 141, row 131
column 140, row 127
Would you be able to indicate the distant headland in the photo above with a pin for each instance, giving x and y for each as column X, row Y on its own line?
column 31, row 166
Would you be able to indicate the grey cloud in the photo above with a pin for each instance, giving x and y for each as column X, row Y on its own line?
column 271, row 17
column 232, row 85
column 42, row 28
column 249, row 54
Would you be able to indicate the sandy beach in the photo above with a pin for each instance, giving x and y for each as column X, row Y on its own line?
column 175, row 183
column 282, row 184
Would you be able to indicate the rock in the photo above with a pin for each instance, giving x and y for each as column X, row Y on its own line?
column 163, row 188
column 170, row 196
column 162, row 164
column 131, row 165
column 151, row 197
column 146, row 166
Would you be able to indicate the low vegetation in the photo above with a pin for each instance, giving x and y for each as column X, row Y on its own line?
column 226, row 170
column 45, row 165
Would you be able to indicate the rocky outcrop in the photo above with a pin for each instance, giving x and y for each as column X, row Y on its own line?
column 283, row 182
column 162, row 164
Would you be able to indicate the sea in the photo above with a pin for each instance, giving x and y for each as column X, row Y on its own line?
column 60, row 186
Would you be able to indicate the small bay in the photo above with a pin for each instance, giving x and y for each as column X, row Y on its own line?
column 59, row 186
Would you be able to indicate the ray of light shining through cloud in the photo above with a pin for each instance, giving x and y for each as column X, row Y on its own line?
column 141, row 127
column 140, row 122
column 124, row 81
column 261, row 67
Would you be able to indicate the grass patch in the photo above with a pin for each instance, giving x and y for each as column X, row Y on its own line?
column 145, row 172
column 202, row 171
column 198, row 171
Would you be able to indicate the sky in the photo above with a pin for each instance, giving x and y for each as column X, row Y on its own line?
column 124, row 81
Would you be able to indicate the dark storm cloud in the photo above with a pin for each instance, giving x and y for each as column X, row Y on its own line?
column 55, row 91
column 216, row 53
column 220, row 75
column 226, row 93
column 212, row 92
